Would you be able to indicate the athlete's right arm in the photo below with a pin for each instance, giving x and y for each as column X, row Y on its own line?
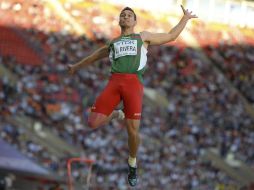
column 95, row 56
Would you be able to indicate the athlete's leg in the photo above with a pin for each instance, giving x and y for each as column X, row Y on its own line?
column 133, row 136
column 96, row 120
column 133, row 142
column 132, row 98
column 103, row 109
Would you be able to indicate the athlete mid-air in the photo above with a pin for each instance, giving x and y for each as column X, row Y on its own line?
column 128, row 56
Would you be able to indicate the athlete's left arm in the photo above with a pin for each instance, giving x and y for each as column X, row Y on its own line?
column 162, row 38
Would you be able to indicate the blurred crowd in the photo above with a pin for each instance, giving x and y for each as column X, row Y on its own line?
column 203, row 110
column 236, row 62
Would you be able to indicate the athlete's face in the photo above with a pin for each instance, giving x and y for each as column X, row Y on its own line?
column 127, row 19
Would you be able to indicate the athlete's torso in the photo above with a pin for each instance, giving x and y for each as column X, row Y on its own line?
column 128, row 55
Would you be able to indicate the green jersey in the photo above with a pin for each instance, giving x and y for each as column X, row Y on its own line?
column 128, row 55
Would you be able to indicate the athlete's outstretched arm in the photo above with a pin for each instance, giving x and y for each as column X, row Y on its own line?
column 162, row 38
column 95, row 56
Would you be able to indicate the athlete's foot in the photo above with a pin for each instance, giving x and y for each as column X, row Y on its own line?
column 121, row 115
column 132, row 176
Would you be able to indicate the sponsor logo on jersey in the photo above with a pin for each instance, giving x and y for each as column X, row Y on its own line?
column 125, row 47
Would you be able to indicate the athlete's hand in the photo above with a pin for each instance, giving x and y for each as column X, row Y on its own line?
column 71, row 69
column 188, row 14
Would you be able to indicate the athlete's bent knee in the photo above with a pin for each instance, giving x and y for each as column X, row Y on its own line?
column 92, row 124
column 96, row 120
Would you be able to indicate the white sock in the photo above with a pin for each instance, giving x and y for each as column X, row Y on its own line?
column 132, row 162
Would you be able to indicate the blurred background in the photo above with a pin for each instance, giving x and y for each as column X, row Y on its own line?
column 197, row 127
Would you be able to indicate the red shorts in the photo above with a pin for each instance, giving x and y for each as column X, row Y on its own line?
column 125, row 87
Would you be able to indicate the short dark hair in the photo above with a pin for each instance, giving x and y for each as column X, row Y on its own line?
column 130, row 9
